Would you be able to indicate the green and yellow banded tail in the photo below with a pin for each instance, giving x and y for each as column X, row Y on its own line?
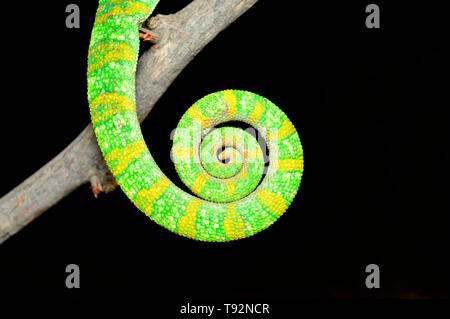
column 224, row 167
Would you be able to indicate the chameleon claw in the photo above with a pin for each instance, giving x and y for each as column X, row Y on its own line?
column 95, row 190
column 148, row 35
column 96, row 186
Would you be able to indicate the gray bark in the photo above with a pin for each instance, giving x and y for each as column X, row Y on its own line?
column 182, row 36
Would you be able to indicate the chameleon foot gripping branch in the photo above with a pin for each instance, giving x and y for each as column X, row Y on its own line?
column 223, row 167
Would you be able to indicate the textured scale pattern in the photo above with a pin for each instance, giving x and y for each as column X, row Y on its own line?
column 223, row 167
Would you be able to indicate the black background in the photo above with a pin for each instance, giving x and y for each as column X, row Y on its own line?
column 371, row 108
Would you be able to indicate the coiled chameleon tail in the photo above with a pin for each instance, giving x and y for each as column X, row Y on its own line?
column 225, row 169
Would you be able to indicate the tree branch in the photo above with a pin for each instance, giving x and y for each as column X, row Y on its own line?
column 183, row 35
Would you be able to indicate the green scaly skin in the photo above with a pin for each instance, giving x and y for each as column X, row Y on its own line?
column 225, row 169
